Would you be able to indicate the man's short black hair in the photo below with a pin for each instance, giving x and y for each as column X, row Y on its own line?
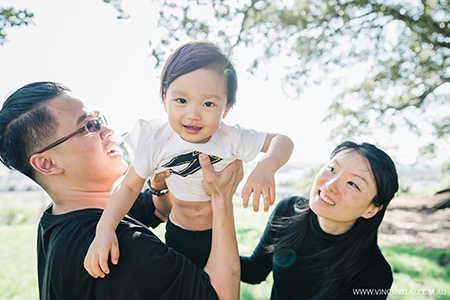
column 26, row 124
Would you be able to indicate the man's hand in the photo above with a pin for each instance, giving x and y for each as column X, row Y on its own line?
column 222, row 183
column 159, row 182
column 163, row 204
column 223, row 265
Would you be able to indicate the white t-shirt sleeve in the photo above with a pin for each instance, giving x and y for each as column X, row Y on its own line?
column 140, row 146
column 248, row 142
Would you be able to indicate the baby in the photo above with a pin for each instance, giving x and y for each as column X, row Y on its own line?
column 198, row 88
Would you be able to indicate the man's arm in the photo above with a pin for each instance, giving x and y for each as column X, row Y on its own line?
column 163, row 204
column 223, row 264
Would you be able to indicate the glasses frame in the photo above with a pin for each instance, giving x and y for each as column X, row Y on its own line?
column 98, row 120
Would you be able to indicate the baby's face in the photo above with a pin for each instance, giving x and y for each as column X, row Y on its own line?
column 195, row 103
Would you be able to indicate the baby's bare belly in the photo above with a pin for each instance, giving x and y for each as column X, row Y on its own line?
column 192, row 215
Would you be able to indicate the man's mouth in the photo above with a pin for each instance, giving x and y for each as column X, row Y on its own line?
column 113, row 151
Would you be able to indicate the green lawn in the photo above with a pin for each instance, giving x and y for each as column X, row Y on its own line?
column 416, row 270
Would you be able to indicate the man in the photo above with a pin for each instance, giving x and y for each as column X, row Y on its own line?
column 51, row 137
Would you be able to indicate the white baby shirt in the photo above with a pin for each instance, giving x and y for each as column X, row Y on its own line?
column 154, row 147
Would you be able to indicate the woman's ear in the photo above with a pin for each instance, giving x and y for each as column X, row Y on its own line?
column 44, row 164
column 372, row 211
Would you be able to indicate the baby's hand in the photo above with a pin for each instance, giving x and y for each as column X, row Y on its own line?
column 260, row 182
column 96, row 260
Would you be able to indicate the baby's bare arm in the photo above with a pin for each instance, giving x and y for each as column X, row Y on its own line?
column 278, row 149
column 105, row 241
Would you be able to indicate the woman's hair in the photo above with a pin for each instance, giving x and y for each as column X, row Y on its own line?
column 196, row 55
column 26, row 124
column 357, row 243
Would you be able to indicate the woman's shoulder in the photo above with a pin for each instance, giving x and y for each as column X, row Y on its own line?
column 377, row 272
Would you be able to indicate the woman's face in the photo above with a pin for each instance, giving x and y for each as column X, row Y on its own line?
column 343, row 191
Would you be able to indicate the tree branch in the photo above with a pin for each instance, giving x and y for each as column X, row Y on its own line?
column 244, row 20
column 417, row 101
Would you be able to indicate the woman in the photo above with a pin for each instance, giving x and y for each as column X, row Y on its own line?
column 326, row 247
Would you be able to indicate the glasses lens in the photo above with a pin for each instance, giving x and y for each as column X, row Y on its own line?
column 102, row 120
column 92, row 125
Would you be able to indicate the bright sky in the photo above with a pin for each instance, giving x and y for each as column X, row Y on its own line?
column 107, row 63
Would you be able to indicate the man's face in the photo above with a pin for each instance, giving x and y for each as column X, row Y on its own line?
column 89, row 160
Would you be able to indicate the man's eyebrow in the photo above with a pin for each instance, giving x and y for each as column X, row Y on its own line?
column 86, row 115
column 82, row 118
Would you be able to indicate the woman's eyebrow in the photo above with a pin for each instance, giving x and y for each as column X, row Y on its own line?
column 353, row 174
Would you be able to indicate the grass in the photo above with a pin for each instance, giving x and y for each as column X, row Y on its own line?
column 416, row 269
column 18, row 275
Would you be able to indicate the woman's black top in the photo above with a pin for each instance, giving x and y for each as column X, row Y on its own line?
column 299, row 274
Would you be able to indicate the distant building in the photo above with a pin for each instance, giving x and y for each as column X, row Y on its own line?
column 11, row 181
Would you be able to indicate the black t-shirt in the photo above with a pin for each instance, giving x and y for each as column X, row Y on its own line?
column 298, row 276
column 147, row 268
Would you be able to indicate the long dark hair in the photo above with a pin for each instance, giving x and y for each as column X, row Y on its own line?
column 359, row 240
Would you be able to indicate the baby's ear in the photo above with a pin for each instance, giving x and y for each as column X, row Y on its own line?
column 227, row 109
column 44, row 164
column 164, row 102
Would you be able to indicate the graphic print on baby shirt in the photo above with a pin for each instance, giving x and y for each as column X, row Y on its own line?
column 192, row 161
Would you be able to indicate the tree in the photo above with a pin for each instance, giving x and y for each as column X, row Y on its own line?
column 10, row 17
column 403, row 44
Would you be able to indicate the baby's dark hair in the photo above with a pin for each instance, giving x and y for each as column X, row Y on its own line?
column 196, row 55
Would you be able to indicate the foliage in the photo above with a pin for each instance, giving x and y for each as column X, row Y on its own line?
column 18, row 279
column 14, row 214
column 417, row 269
column 399, row 50
column 10, row 17
column 414, row 267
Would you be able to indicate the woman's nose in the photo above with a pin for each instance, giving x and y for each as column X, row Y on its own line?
column 332, row 185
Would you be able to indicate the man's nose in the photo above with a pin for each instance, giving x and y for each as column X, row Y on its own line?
column 106, row 132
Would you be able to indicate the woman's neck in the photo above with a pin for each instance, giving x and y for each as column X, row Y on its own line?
column 333, row 227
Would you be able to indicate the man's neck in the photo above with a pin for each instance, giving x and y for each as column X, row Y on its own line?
column 77, row 200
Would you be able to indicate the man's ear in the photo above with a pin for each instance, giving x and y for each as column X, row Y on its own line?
column 372, row 211
column 44, row 164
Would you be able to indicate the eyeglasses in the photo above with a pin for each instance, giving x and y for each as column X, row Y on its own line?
column 91, row 126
